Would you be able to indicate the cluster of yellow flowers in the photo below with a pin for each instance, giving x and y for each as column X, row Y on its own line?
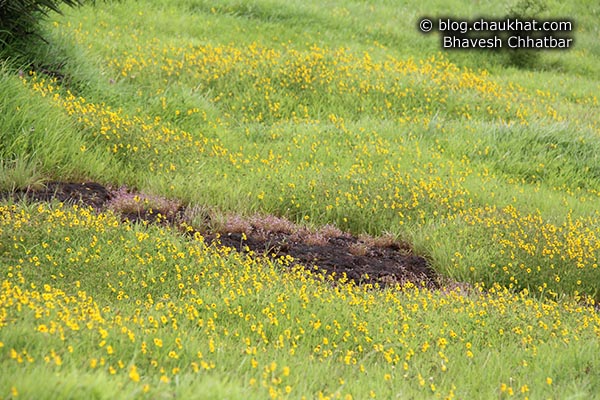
column 257, row 83
column 125, row 137
column 147, row 305
column 264, row 84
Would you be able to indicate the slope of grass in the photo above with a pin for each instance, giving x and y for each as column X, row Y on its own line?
column 352, row 118
column 33, row 148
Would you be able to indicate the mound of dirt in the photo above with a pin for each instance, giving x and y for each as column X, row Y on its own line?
column 340, row 254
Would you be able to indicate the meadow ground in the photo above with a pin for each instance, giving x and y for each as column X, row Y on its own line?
column 286, row 129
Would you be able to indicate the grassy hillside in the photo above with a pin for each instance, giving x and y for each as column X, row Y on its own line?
column 349, row 117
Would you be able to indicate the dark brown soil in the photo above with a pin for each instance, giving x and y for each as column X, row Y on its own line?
column 360, row 260
column 382, row 265
column 89, row 194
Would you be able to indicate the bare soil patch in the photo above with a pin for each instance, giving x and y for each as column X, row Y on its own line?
column 360, row 259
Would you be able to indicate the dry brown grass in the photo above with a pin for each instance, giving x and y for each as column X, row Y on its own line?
column 358, row 249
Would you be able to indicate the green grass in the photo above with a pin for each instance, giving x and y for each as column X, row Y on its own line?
column 352, row 118
column 32, row 146
column 86, row 299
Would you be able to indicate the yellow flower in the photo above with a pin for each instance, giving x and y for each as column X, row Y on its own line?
column 133, row 374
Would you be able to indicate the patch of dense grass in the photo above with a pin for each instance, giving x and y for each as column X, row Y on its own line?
column 32, row 148
column 90, row 302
